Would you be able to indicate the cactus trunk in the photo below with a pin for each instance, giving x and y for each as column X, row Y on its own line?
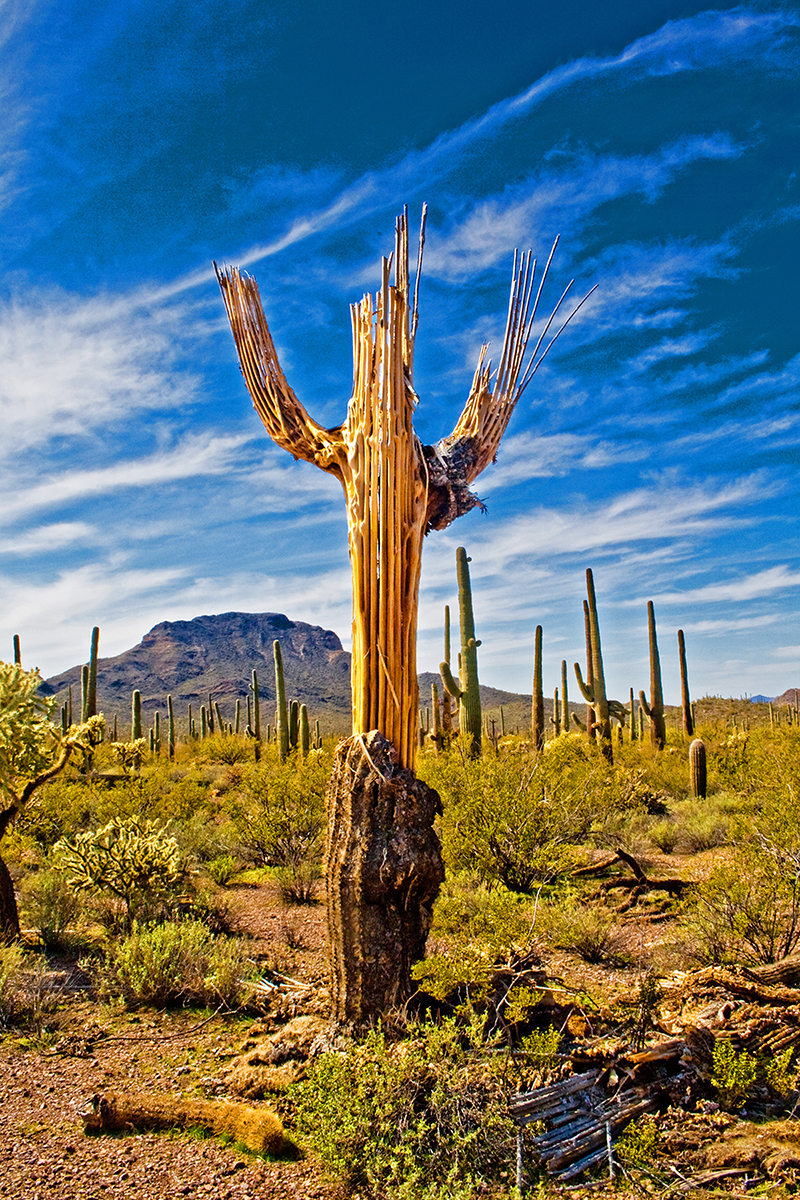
column 686, row 704
column 654, row 711
column 136, row 716
column 594, row 692
column 281, row 712
column 171, row 727
column 697, row 769
column 537, row 705
column 256, row 716
column 466, row 691
column 91, row 690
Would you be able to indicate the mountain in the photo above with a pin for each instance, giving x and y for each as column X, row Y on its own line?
column 790, row 696
column 216, row 655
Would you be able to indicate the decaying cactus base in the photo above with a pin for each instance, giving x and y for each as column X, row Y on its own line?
column 384, row 869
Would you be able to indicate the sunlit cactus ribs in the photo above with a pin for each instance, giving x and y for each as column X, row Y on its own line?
column 396, row 490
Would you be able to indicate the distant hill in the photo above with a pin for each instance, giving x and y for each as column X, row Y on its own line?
column 216, row 655
column 790, row 696
column 761, row 699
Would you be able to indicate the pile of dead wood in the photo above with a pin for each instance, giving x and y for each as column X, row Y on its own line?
column 577, row 1120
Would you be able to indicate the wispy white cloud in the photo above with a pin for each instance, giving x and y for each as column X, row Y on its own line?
column 203, row 454
column 69, row 362
column 560, row 200
column 47, row 538
column 692, row 44
column 528, row 456
column 730, row 625
column 746, row 587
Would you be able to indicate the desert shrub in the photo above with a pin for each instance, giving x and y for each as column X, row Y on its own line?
column 227, row 748
column 12, row 965
column 639, row 1143
column 298, row 882
column 779, row 1074
column 50, row 905
column 733, row 1075
column 222, row 869
column 665, row 835
column 748, row 909
column 588, row 930
column 421, row 1119
column 702, row 825
column 62, row 806
column 177, row 963
column 278, row 815
column 539, row 1051
column 135, row 861
column 516, row 819
column 475, row 929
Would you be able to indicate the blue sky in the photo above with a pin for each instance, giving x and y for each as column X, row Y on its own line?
column 657, row 444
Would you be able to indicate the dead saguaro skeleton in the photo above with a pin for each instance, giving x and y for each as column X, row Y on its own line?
column 396, row 491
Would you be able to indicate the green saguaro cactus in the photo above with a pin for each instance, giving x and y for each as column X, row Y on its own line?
column 294, row 724
column 256, row 725
column 686, row 703
column 654, row 711
column 136, row 716
column 84, row 693
column 564, row 697
column 594, row 691
column 170, row 727
column 555, row 720
column 466, row 691
column 697, row 769
column 437, row 723
column 304, row 731
column 91, row 689
column 281, row 712
column 537, row 703
column 17, row 651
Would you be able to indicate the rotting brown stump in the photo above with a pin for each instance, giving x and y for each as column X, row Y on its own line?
column 384, row 869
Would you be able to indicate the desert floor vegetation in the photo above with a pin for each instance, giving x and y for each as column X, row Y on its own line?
column 174, row 946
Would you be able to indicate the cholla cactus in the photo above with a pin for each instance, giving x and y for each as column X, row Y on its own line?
column 130, row 858
column 130, row 754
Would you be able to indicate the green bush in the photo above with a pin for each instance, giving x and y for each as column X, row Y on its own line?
column 177, row 963
column 733, row 1075
column 222, row 869
column 278, row 814
column 589, row 930
column 50, row 905
column 639, row 1144
column 475, row 929
column 516, row 819
column 12, row 967
column 748, row 909
column 421, row 1119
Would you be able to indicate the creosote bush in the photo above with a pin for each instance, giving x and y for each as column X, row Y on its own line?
column 420, row 1119
column 177, row 963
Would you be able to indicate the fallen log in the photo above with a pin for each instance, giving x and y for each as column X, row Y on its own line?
column 125, row 1112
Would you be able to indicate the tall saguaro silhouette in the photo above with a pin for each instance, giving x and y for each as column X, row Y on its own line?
column 383, row 853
